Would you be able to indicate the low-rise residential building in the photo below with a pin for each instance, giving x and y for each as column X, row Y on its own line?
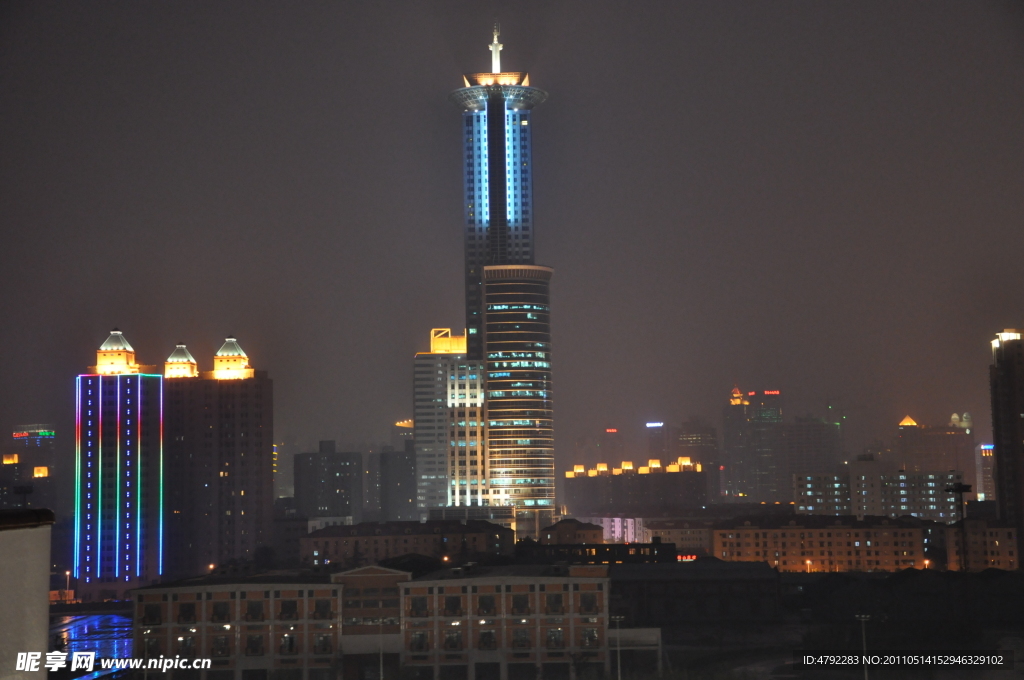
column 691, row 537
column 990, row 545
column 370, row 542
column 528, row 552
column 571, row 531
column 284, row 625
column 507, row 623
column 825, row 543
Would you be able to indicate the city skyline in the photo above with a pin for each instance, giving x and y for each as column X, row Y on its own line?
column 751, row 267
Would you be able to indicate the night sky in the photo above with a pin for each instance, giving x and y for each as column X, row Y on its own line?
column 825, row 198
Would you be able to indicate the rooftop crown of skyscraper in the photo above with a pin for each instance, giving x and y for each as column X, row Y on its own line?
column 116, row 356
column 180, row 364
column 230, row 362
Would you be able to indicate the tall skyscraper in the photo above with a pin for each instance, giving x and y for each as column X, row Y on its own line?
column 498, row 203
column 1006, row 378
column 219, row 440
column 984, row 472
column 736, row 444
column 120, row 474
column 507, row 295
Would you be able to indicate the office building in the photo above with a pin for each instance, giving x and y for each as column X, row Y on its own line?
column 692, row 537
column 434, row 420
column 119, row 474
column 30, row 474
column 698, row 441
column 398, row 483
column 736, row 444
column 507, row 295
column 220, row 460
column 468, row 461
column 498, row 187
column 329, row 483
column 650, row 489
column 984, row 472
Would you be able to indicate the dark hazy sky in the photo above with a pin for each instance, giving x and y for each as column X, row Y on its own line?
column 825, row 198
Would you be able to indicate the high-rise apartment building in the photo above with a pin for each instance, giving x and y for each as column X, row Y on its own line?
column 984, row 472
column 120, row 485
column 1006, row 379
column 329, row 484
column 219, row 450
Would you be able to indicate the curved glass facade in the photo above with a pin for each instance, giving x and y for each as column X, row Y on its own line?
column 520, row 432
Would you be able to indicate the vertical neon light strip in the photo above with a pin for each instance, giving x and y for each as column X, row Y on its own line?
column 138, row 486
column 160, row 378
column 118, row 492
column 99, row 482
column 78, row 471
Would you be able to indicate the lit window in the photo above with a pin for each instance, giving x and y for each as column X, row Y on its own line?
column 41, row 472
column 10, row 458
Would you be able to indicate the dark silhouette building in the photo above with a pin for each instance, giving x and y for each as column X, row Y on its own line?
column 398, row 483
column 329, row 484
column 1006, row 377
column 219, row 454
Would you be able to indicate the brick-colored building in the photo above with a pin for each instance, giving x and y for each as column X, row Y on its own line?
column 370, row 542
column 571, row 531
column 990, row 545
column 691, row 537
column 507, row 623
column 286, row 625
column 812, row 543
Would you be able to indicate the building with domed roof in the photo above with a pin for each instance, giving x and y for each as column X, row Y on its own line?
column 219, row 451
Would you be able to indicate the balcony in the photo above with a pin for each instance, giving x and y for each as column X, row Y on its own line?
column 289, row 616
column 416, row 646
column 186, row 618
column 453, row 612
column 521, row 610
column 521, row 644
column 419, row 613
column 220, row 651
column 152, row 620
column 323, row 614
column 254, row 617
column 588, row 610
column 555, row 644
column 485, row 611
column 450, row 646
column 555, row 610
column 288, row 650
column 322, row 648
column 487, row 645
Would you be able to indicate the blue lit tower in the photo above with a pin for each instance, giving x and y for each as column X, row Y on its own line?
column 119, row 474
column 507, row 295
column 498, row 180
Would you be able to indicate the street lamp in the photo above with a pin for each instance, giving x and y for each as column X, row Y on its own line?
column 67, row 585
column 864, row 618
column 808, row 566
column 618, row 643
column 926, row 563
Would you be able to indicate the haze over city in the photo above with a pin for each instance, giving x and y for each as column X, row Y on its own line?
column 817, row 198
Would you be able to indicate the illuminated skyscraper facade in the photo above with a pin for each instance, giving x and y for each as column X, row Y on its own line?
column 498, row 181
column 507, row 295
column 219, row 442
column 120, row 474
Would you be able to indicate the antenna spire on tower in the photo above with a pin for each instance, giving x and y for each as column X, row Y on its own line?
column 495, row 48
